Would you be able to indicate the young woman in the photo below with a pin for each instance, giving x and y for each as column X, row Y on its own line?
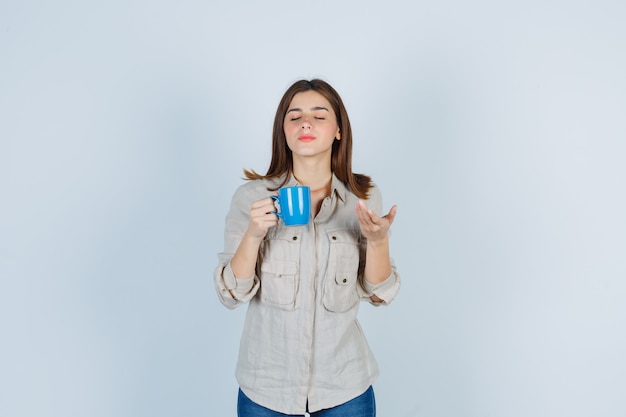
column 302, row 348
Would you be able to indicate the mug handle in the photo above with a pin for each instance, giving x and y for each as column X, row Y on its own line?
column 275, row 198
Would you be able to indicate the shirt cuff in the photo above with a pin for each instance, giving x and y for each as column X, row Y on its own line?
column 385, row 290
column 237, row 285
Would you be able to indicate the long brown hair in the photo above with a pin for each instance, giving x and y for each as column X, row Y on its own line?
column 341, row 158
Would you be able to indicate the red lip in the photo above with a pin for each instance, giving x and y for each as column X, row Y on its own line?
column 306, row 138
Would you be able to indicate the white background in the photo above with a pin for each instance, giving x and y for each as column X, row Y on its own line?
column 497, row 127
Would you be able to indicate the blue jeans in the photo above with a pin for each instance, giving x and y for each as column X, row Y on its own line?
column 362, row 406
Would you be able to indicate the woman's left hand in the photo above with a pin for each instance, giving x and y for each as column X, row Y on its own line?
column 373, row 227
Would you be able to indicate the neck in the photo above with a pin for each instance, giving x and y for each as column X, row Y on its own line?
column 315, row 176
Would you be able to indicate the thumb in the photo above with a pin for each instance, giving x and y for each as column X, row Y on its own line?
column 391, row 215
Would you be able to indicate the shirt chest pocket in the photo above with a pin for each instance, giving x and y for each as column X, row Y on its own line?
column 344, row 267
column 279, row 283
column 280, row 280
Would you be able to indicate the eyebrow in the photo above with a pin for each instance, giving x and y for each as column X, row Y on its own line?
column 312, row 108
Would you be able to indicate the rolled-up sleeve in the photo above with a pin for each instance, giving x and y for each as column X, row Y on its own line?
column 231, row 290
column 234, row 291
column 385, row 290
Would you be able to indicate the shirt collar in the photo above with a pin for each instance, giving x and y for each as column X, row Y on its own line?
column 338, row 188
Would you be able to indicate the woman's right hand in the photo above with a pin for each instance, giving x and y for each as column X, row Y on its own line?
column 244, row 260
column 262, row 218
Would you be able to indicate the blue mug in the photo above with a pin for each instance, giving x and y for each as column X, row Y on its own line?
column 294, row 205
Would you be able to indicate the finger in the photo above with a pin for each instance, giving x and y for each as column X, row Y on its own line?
column 270, row 219
column 392, row 214
column 266, row 221
column 362, row 213
column 265, row 207
column 261, row 212
column 263, row 203
column 372, row 217
column 376, row 219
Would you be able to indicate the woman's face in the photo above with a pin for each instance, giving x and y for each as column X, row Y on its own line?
column 310, row 125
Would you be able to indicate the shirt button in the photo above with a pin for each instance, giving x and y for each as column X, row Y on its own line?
column 334, row 238
column 345, row 280
column 294, row 238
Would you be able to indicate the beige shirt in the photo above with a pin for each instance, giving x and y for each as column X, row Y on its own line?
column 301, row 339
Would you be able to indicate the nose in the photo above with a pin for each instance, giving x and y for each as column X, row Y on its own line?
column 306, row 124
